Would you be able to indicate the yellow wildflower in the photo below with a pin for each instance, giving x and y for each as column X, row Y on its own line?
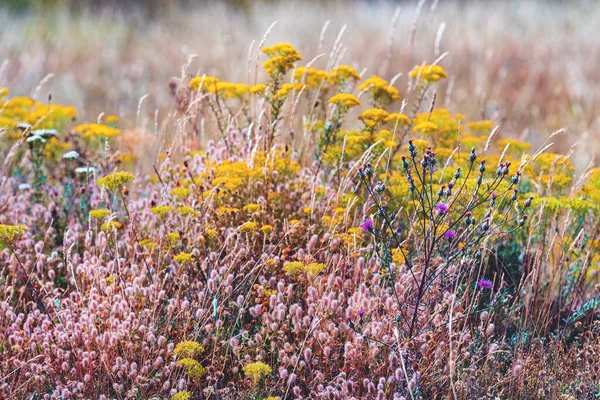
column 210, row 233
column 99, row 214
column 398, row 118
column 172, row 237
column 183, row 395
column 345, row 100
column 311, row 77
column 266, row 229
column 184, row 258
column 484, row 126
column 181, row 192
column 248, row 227
column 188, row 349
column 282, row 57
column 147, row 244
column 293, row 268
column 97, row 130
column 161, row 211
column 115, row 181
column 9, row 234
column 314, row 269
column 374, row 116
column 185, row 210
column 111, row 226
column 428, row 73
column 380, row 90
column 257, row 371
column 426, row 127
column 343, row 73
column 258, row 89
column 286, row 88
column 252, row 207
column 207, row 82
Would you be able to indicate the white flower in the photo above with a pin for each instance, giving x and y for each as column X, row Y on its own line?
column 34, row 138
column 85, row 170
column 24, row 186
column 72, row 155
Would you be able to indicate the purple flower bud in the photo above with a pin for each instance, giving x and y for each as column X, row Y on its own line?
column 441, row 208
column 367, row 226
column 485, row 284
column 361, row 313
column 450, row 234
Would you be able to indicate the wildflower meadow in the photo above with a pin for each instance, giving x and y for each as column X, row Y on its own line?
column 303, row 228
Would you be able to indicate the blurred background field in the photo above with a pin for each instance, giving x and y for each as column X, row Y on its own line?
column 531, row 66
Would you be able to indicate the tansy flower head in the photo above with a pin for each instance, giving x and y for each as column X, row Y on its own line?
column 425, row 127
column 252, row 207
column 183, row 395
column 161, row 211
column 9, row 234
column 181, row 192
column 311, row 77
column 97, row 131
column 346, row 100
column 248, row 227
column 111, row 226
column 184, row 258
column 188, row 349
column 400, row 119
column 185, row 210
column 380, row 90
column 282, row 57
column 115, row 181
column 286, row 88
column 374, row 116
column 203, row 83
column 293, row 268
column 428, row 73
column 340, row 75
column 257, row 371
column 99, row 214
column 266, row 229
column 258, row 89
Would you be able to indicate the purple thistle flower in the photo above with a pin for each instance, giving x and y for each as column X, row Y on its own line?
column 441, row 208
column 367, row 226
column 485, row 284
column 450, row 234
column 361, row 313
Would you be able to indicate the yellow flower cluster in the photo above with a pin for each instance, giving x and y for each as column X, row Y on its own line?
column 99, row 214
column 185, row 210
column 346, row 100
column 183, row 395
column 97, row 131
column 188, row 349
column 111, row 226
column 311, row 77
column 161, row 211
column 295, row 268
column 181, row 192
column 9, row 234
column 38, row 115
column 115, row 181
column 286, row 88
column 248, row 227
column 193, row 367
column 343, row 74
column 380, row 90
column 203, row 84
column 428, row 73
column 257, row 371
column 374, row 116
column 184, row 258
column 282, row 57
